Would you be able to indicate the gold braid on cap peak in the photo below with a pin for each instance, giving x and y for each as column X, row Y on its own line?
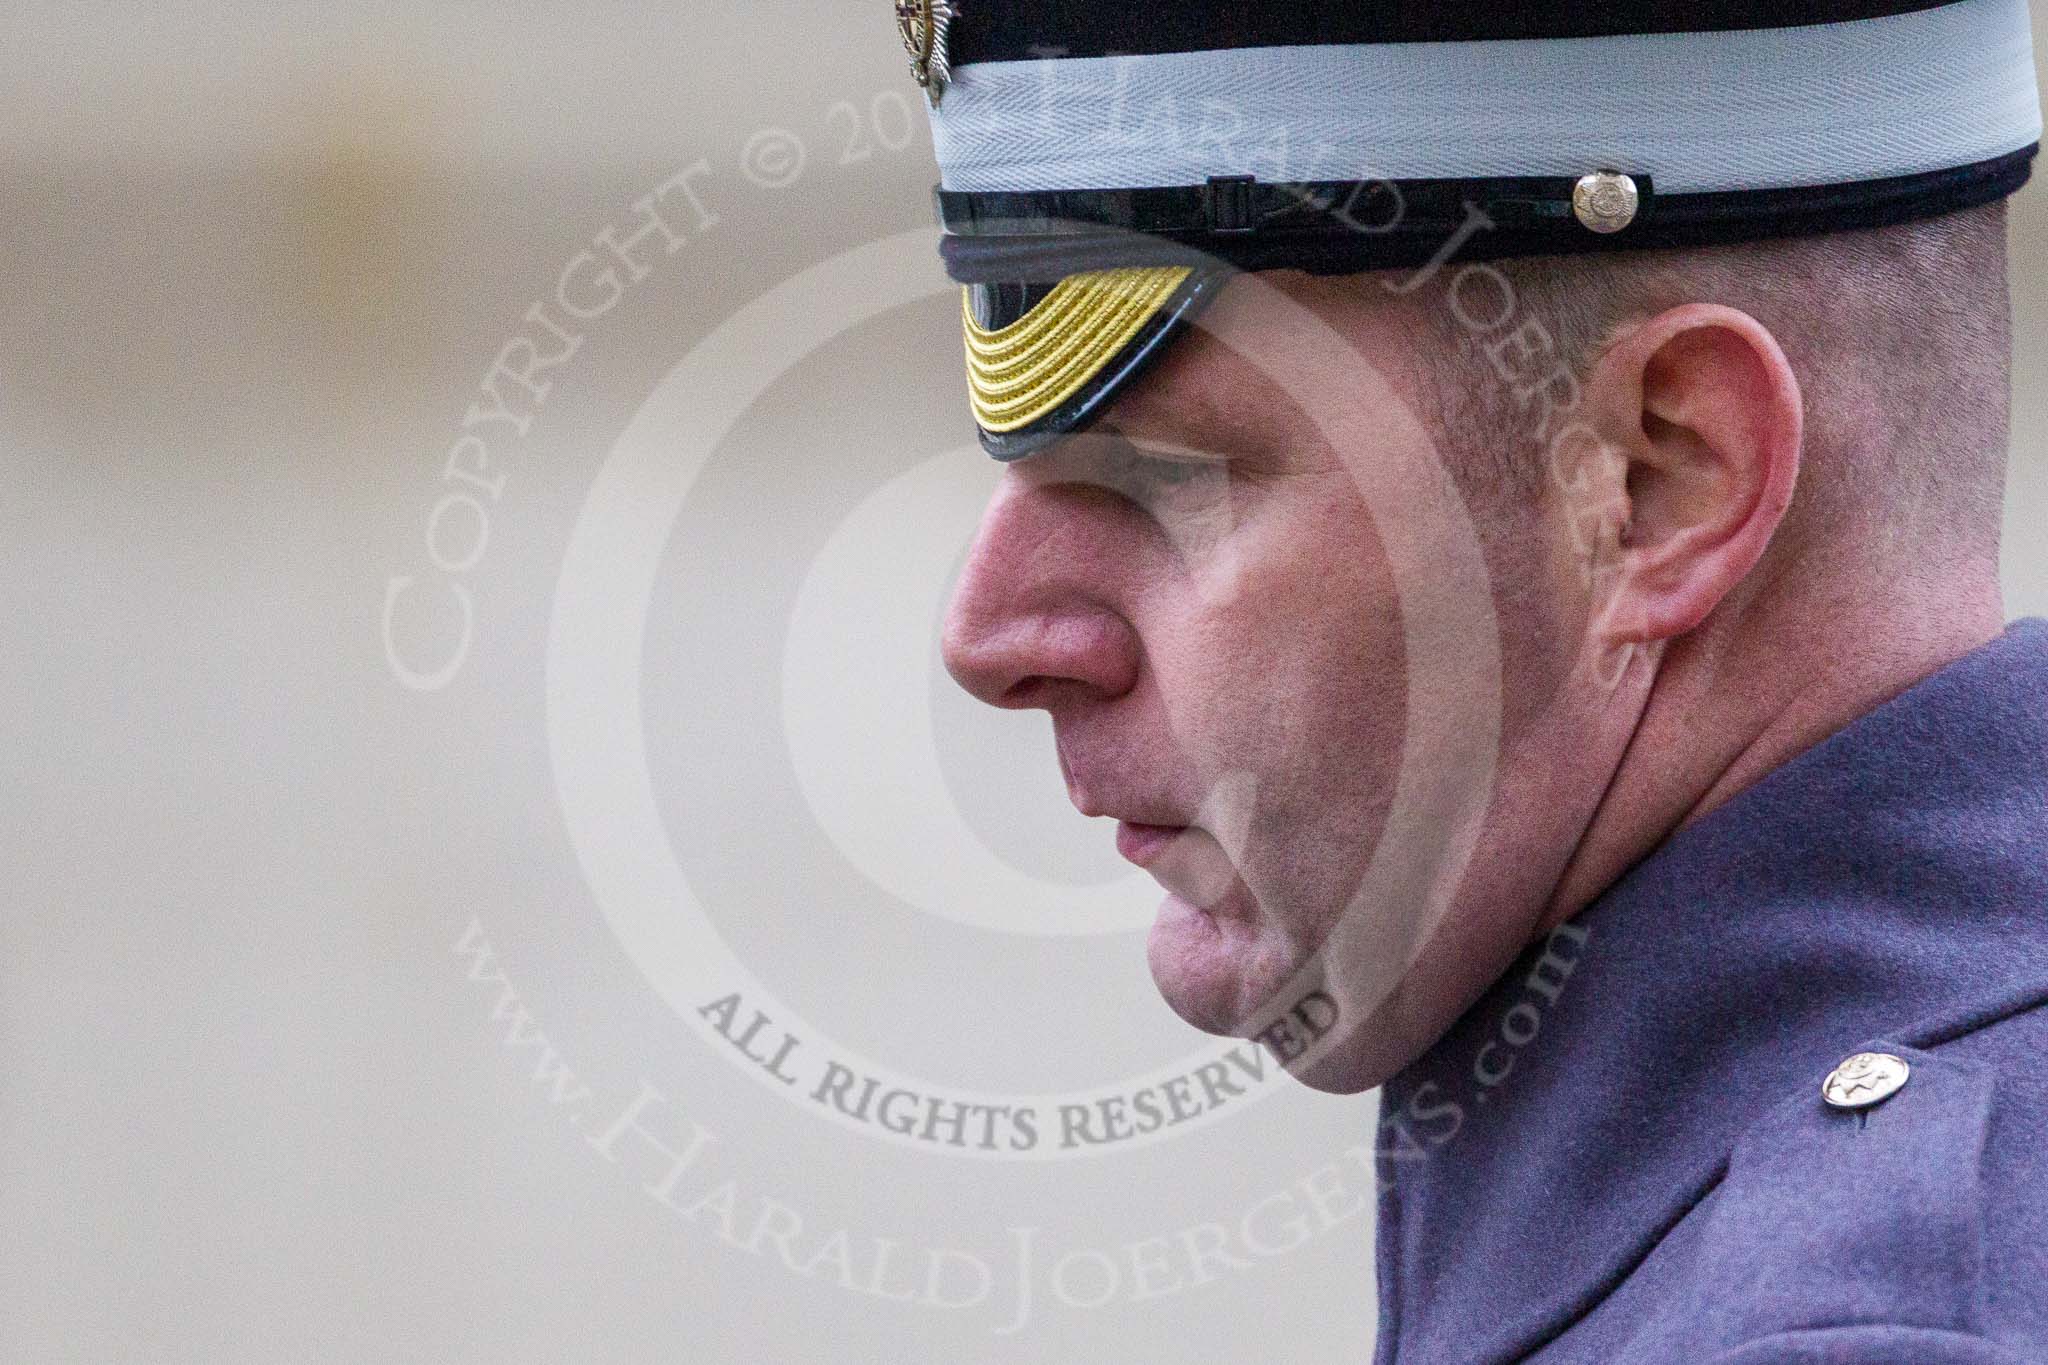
column 1019, row 373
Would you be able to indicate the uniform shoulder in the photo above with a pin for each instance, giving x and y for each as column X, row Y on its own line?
column 1896, row 1212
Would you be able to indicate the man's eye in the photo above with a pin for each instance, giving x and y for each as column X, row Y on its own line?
column 1147, row 478
column 1172, row 473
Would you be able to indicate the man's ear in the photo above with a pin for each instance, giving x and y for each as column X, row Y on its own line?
column 1698, row 417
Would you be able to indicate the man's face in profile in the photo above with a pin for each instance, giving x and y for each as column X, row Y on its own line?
column 1199, row 592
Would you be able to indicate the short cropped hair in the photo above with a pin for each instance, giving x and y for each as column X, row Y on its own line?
column 1901, row 338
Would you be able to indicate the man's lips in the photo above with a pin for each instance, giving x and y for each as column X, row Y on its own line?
column 1145, row 844
column 1184, row 859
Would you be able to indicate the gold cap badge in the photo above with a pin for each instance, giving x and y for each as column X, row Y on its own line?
column 923, row 26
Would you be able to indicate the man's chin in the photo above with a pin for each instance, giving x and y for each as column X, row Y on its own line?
column 1217, row 972
column 1221, row 970
column 1211, row 967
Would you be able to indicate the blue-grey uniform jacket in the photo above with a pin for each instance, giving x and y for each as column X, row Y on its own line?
column 1622, row 1152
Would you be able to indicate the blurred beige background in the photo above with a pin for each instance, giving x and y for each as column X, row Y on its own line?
column 258, row 258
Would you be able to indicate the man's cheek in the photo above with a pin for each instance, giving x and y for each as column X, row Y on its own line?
column 1204, row 670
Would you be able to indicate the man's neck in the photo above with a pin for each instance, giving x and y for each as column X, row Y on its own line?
column 1729, row 704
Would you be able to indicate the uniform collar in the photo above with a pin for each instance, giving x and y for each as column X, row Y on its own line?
column 1885, row 883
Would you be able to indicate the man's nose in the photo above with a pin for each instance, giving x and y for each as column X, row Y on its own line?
column 1031, row 623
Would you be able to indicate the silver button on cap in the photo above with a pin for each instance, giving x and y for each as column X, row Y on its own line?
column 1863, row 1080
column 1605, row 201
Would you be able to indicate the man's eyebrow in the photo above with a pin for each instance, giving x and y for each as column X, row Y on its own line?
column 1169, row 446
column 1119, row 439
column 1110, row 428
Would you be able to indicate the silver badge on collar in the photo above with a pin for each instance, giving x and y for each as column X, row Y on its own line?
column 1863, row 1080
column 923, row 26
